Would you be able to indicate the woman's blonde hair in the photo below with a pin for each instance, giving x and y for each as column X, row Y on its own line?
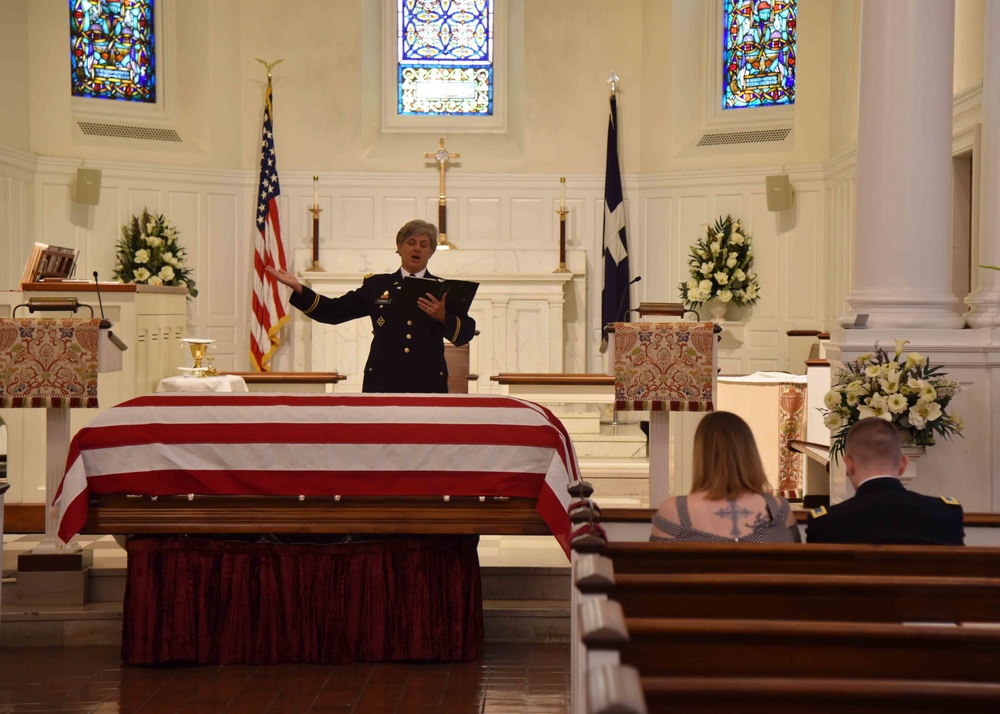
column 726, row 462
column 417, row 227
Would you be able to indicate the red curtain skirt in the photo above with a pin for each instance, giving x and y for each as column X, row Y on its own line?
column 214, row 601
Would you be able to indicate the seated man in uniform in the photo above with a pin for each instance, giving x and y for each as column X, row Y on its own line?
column 882, row 510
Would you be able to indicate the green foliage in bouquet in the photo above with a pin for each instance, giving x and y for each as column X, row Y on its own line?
column 149, row 254
column 905, row 390
column 721, row 267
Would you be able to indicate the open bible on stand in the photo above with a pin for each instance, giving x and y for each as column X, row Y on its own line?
column 460, row 294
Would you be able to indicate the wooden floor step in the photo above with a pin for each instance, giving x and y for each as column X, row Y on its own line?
column 538, row 621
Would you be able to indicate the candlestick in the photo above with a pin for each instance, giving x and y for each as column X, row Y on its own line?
column 562, row 242
column 315, row 267
column 562, row 193
column 315, row 191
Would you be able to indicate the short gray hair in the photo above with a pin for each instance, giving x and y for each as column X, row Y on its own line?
column 417, row 227
column 874, row 441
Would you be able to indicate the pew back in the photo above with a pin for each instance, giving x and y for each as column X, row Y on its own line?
column 845, row 598
column 812, row 558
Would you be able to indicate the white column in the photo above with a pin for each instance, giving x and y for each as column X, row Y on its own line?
column 902, row 246
column 985, row 298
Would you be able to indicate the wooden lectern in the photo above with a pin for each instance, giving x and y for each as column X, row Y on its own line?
column 53, row 363
column 662, row 367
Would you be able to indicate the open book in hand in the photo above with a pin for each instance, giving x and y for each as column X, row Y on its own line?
column 460, row 294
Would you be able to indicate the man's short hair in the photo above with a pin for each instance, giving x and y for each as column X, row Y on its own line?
column 874, row 441
column 417, row 227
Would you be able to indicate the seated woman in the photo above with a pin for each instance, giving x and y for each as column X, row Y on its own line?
column 730, row 500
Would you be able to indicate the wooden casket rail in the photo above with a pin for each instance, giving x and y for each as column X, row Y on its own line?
column 461, row 515
column 542, row 378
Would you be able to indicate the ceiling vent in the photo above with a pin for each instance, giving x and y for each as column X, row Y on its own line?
column 759, row 136
column 122, row 131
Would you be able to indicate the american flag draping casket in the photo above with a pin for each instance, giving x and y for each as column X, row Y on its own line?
column 320, row 445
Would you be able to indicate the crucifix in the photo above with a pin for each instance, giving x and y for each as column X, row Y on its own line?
column 441, row 156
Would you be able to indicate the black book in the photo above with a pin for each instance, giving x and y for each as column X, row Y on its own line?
column 460, row 294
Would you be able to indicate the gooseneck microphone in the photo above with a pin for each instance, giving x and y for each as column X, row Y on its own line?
column 105, row 322
column 621, row 303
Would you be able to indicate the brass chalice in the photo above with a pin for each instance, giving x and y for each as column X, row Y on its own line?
column 199, row 348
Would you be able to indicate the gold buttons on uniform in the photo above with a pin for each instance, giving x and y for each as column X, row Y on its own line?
column 409, row 322
column 406, row 349
column 409, row 337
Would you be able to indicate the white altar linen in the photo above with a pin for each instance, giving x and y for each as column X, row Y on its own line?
column 219, row 383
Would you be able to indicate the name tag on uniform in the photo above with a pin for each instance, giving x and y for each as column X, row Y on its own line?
column 384, row 300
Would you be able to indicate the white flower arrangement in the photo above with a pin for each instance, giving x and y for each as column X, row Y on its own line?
column 721, row 266
column 149, row 254
column 906, row 391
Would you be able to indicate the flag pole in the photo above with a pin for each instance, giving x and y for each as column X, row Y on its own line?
column 268, row 313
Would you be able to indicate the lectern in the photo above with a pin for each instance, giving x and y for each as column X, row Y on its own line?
column 662, row 367
column 53, row 363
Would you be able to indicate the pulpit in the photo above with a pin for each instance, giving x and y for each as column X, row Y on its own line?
column 149, row 319
column 663, row 367
column 53, row 363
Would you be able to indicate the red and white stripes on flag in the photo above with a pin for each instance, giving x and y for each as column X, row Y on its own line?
column 323, row 445
column 269, row 311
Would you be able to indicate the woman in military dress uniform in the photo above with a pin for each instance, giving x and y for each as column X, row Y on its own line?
column 407, row 354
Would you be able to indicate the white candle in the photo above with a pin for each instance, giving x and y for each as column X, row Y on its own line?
column 315, row 191
column 562, row 193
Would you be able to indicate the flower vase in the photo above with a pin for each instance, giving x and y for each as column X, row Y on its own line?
column 914, row 454
column 718, row 309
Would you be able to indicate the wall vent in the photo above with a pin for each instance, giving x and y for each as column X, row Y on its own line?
column 122, row 131
column 760, row 136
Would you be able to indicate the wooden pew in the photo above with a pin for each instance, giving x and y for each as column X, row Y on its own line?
column 678, row 627
column 667, row 647
column 804, row 559
column 845, row 598
column 765, row 695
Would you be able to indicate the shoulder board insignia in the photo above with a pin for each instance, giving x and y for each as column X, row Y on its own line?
column 817, row 512
column 368, row 276
column 950, row 501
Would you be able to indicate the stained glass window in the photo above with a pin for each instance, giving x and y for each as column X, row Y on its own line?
column 112, row 49
column 758, row 60
column 445, row 55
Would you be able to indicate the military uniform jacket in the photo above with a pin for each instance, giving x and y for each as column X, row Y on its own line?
column 407, row 354
column 883, row 511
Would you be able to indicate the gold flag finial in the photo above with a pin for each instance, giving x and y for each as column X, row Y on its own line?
column 269, row 65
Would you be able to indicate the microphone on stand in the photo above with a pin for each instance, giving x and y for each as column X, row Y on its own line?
column 621, row 303
column 618, row 312
column 105, row 322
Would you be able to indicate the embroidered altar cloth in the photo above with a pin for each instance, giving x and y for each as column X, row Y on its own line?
column 48, row 362
column 664, row 366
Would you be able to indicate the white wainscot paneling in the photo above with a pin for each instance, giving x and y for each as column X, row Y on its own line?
column 525, row 218
column 359, row 219
column 484, row 219
column 396, row 211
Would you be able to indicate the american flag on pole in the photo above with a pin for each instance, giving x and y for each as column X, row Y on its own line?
column 614, row 297
column 269, row 312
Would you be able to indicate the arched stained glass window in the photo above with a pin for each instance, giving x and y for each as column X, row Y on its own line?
column 112, row 46
column 758, row 60
column 445, row 57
